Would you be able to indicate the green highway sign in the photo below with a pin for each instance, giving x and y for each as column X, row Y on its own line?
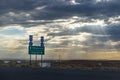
column 36, row 50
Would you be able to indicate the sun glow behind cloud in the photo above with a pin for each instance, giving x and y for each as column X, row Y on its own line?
column 73, row 41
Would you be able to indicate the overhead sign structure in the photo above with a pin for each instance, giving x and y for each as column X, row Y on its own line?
column 36, row 50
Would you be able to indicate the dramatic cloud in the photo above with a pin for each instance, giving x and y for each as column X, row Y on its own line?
column 85, row 29
column 22, row 11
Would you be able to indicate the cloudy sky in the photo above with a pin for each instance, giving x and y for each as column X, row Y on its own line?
column 74, row 29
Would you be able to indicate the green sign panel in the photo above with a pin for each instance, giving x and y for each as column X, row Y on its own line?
column 36, row 50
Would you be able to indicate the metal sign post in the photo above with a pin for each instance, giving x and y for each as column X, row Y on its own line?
column 42, row 45
column 30, row 60
column 36, row 59
column 41, row 60
column 30, row 44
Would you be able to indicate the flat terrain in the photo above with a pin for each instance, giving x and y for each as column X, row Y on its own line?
column 90, row 64
column 65, row 64
column 13, row 73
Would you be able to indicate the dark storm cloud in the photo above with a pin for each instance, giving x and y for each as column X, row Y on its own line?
column 63, row 33
column 114, row 32
column 19, row 4
column 20, row 8
column 57, row 9
column 88, row 29
column 89, row 9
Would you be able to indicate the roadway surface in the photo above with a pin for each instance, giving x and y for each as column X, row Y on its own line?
column 7, row 73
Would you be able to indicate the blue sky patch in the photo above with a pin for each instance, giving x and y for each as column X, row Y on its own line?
column 12, row 31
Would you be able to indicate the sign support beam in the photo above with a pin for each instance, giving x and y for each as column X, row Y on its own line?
column 41, row 60
column 36, row 59
column 30, row 60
